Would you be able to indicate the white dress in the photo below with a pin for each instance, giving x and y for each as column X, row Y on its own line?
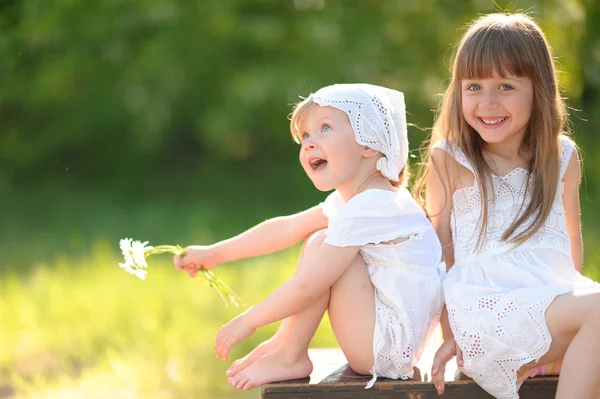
column 497, row 295
column 406, row 275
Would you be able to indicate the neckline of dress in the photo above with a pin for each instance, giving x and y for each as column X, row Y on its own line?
column 373, row 191
column 504, row 176
column 510, row 172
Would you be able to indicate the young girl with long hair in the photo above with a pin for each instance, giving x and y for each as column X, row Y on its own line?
column 501, row 190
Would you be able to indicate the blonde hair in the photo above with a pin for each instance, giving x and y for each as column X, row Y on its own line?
column 303, row 108
column 507, row 44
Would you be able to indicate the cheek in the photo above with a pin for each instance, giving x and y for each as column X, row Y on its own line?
column 525, row 107
column 468, row 110
column 302, row 158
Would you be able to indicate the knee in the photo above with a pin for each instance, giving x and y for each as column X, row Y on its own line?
column 314, row 241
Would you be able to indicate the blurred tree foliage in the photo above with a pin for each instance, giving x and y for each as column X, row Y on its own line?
column 115, row 90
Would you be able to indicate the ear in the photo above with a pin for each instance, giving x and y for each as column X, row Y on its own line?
column 369, row 152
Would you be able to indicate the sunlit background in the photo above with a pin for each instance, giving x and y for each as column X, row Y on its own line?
column 166, row 121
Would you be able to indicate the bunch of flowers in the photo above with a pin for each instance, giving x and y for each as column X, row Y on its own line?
column 136, row 252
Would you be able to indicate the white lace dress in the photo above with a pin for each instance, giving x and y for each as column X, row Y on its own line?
column 497, row 295
column 406, row 275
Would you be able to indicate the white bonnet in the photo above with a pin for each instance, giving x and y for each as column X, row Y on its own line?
column 378, row 118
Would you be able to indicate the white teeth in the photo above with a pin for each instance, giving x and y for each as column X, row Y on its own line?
column 315, row 161
column 492, row 121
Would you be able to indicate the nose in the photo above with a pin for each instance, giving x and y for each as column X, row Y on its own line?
column 307, row 144
column 489, row 101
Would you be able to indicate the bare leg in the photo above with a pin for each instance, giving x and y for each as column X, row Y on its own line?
column 352, row 313
column 285, row 356
column 290, row 324
column 574, row 322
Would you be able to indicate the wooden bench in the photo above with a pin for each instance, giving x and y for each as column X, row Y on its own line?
column 333, row 379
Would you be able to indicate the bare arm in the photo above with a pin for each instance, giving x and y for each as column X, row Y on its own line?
column 438, row 205
column 267, row 237
column 440, row 186
column 272, row 235
column 572, row 179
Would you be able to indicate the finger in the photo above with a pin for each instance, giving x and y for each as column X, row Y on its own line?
column 438, row 380
column 188, row 266
column 440, row 388
column 459, row 357
column 177, row 262
column 219, row 344
column 226, row 348
column 217, row 348
column 440, row 359
column 221, row 348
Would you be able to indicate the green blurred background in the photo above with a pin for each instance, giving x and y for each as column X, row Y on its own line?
column 165, row 120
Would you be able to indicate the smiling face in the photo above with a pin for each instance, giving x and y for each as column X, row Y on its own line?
column 329, row 153
column 498, row 108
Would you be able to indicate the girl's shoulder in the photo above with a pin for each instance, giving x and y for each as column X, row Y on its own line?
column 450, row 152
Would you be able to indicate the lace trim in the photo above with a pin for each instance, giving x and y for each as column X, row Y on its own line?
column 494, row 346
column 393, row 346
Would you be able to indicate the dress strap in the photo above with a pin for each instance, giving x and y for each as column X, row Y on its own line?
column 567, row 147
column 455, row 152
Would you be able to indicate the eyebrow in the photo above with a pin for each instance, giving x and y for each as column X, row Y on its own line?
column 515, row 79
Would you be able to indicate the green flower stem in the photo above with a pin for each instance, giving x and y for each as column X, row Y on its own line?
column 225, row 293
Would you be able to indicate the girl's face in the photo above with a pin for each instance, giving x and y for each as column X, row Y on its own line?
column 329, row 153
column 498, row 108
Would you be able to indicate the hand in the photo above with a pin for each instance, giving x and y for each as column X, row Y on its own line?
column 197, row 257
column 230, row 334
column 445, row 352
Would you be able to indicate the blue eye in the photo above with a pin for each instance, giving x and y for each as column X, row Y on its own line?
column 505, row 87
column 474, row 87
column 325, row 127
column 304, row 136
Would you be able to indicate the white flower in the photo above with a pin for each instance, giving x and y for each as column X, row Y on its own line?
column 141, row 274
column 134, row 252
column 134, row 255
column 139, row 250
column 131, row 269
column 126, row 250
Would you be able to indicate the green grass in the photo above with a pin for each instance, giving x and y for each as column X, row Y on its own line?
column 82, row 328
column 76, row 326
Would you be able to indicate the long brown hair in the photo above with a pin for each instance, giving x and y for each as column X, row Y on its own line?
column 507, row 44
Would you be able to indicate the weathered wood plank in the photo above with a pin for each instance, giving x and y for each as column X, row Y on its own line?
column 345, row 383
column 536, row 388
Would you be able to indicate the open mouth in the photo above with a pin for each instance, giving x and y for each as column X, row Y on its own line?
column 492, row 121
column 317, row 163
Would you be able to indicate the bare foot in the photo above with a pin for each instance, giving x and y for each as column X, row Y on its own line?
column 258, row 352
column 274, row 366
